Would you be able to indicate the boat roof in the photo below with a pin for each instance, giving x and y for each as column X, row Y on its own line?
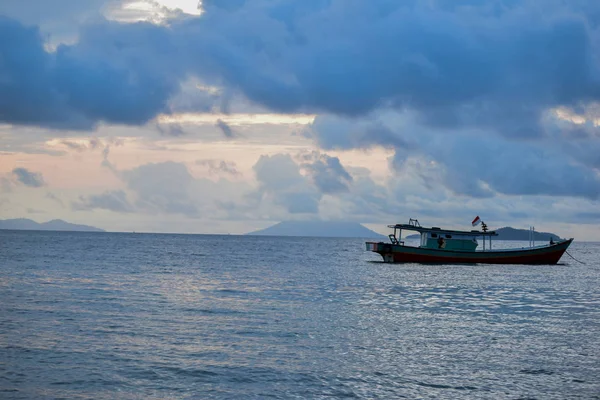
column 435, row 229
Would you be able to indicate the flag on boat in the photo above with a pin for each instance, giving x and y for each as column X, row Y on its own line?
column 476, row 221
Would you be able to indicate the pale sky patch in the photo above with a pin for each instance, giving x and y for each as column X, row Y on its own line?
column 236, row 119
column 578, row 119
column 156, row 11
column 187, row 6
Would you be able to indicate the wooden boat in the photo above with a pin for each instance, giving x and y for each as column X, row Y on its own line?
column 443, row 246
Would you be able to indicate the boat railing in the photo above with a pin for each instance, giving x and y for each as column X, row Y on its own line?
column 395, row 240
column 540, row 246
column 414, row 222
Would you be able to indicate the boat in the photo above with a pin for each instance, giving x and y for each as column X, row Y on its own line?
column 444, row 246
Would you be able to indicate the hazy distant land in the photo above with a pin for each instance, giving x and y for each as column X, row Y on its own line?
column 54, row 225
column 285, row 228
column 318, row 229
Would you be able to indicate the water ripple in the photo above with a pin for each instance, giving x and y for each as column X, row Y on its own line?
column 182, row 316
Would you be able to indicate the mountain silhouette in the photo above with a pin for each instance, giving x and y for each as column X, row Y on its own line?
column 318, row 229
column 54, row 225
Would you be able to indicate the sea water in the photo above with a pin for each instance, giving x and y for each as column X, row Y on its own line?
column 146, row 316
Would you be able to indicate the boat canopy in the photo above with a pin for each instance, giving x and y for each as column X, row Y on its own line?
column 420, row 229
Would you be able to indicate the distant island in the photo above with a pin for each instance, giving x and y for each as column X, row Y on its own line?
column 508, row 233
column 25, row 224
column 318, row 229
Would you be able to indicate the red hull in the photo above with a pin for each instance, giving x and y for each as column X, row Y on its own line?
column 406, row 254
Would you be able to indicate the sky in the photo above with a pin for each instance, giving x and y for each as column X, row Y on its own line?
column 227, row 116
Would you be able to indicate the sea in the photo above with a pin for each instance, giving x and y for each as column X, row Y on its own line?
column 159, row 316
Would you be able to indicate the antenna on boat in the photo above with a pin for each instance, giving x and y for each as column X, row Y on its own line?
column 484, row 227
column 532, row 236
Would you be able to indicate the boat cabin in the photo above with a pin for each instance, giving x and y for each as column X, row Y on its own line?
column 437, row 238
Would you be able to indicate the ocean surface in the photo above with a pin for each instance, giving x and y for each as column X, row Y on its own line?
column 145, row 316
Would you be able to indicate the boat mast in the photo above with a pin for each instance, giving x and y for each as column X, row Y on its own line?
column 484, row 228
column 532, row 236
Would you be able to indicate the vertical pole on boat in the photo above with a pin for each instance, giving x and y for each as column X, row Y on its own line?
column 484, row 242
column 533, row 236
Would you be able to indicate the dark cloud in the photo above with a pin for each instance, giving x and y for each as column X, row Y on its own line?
column 220, row 167
column 42, row 11
column 28, row 178
column 479, row 165
column 489, row 64
column 109, row 75
column 175, row 130
column 587, row 217
column 494, row 64
column 332, row 132
column 92, row 144
column 476, row 163
column 225, row 129
column 111, row 200
column 79, row 147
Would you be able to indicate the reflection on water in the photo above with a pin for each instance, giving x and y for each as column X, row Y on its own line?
column 192, row 316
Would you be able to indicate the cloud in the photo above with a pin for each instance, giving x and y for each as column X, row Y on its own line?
column 5, row 185
column 172, row 129
column 57, row 16
column 163, row 187
column 327, row 173
column 281, row 182
column 35, row 11
column 476, row 163
column 93, row 144
column 333, row 132
column 106, row 76
column 454, row 64
column 278, row 172
column 299, row 202
column 111, row 200
column 168, row 188
column 28, row 178
column 79, row 147
column 55, row 198
column 226, row 129
column 217, row 167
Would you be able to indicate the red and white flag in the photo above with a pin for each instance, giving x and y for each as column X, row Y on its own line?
column 476, row 221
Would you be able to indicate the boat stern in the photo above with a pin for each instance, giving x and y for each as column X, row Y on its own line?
column 385, row 250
